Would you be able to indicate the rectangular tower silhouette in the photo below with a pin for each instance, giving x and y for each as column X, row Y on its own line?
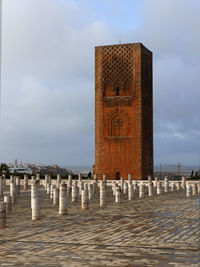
column 123, row 111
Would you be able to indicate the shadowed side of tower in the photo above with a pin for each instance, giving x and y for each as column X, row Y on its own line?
column 123, row 111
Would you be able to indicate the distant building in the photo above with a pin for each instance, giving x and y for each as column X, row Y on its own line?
column 20, row 169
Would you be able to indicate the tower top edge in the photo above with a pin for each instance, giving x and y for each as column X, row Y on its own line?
column 126, row 44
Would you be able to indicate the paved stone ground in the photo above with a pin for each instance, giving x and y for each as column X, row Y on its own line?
column 161, row 230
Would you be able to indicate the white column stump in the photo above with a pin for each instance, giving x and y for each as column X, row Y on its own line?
column 1, row 186
column 183, row 183
column 188, row 190
column 159, row 188
column 156, row 180
column 130, row 191
column 141, row 190
column 63, row 199
column 150, row 189
column 166, row 185
column 48, row 188
column 7, row 200
column 135, row 185
column 194, row 189
column 117, row 194
column 198, row 187
column 58, row 182
column 69, row 181
column 35, row 200
column 90, row 191
column 80, row 186
column 74, row 192
column 129, row 178
column 13, row 193
column 102, row 194
column 2, row 215
column 25, row 182
column 172, row 186
column 84, row 198
column 114, row 185
column 18, row 184
column 125, row 188
column 4, row 180
column 122, row 182
column 55, row 196
column 178, row 186
column 51, row 190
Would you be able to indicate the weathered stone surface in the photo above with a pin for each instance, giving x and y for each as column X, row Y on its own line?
column 162, row 230
column 123, row 111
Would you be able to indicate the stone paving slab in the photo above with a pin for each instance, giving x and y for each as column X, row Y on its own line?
column 163, row 230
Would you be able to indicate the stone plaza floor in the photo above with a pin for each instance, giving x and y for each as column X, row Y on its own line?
column 162, row 230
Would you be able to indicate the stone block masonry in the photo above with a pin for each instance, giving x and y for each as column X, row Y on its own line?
column 123, row 111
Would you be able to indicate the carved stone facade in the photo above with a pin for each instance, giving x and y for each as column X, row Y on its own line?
column 123, row 111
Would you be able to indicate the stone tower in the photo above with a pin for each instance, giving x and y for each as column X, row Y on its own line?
column 123, row 111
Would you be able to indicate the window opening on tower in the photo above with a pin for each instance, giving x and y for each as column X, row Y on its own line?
column 117, row 91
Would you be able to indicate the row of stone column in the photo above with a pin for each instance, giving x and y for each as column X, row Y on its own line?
column 9, row 199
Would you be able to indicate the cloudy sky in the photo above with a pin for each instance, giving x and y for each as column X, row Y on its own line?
column 47, row 94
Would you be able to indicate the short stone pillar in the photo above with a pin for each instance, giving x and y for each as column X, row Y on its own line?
column 172, row 186
column 141, row 189
column 80, row 177
column 183, row 183
column 58, row 181
column 130, row 191
column 194, row 189
column 51, row 190
column 188, row 190
column 135, row 186
column 7, row 200
column 94, row 187
column 159, row 188
column 69, row 181
column 49, row 178
column 2, row 215
column 38, row 177
column 122, row 182
column 1, row 186
column 178, row 186
column 156, row 180
column 55, row 196
column 150, row 188
column 149, row 179
column 46, row 180
column 4, row 180
column 63, row 199
column 117, row 194
column 102, row 194
column 25, row 182
column 90, row 191
column 125, row 188
column 95, row 177
column 48, row 188
column 198, row 187
column 104, row 179
column 166, row 185
column 130, row 178
column 74, row 192
column 18, row 184
column 12, row 179
column 35, row 200
column 114, row 188
column 84, row 198
column 13, row 192
column 81, row 186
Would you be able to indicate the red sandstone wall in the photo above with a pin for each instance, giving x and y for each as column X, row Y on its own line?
column 121, row 144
